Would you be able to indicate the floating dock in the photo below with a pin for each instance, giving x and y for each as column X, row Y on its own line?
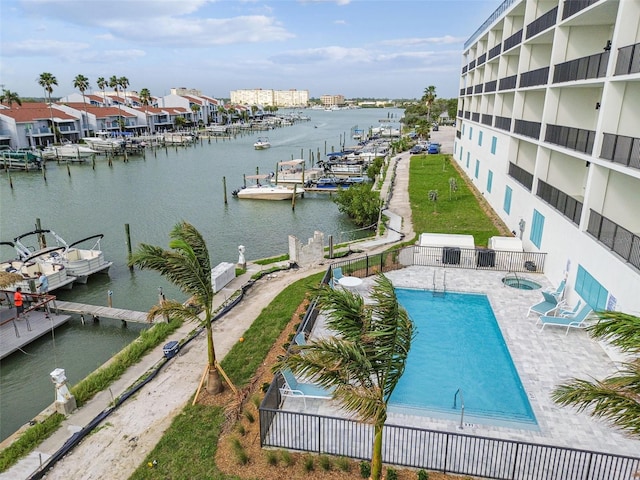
column 15, row 334
column 101, row 312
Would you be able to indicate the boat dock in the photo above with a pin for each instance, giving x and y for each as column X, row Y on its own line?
column 96, row 311
column 16, row 334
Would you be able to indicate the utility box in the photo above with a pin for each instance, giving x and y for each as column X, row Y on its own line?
column 485, row 257
column 170, row 350
column 451, row 255
column 222, row 274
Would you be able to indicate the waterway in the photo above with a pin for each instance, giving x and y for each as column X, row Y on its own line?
column 151, row 194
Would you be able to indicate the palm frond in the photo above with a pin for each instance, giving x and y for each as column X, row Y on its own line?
column 345, row 311
column 621, row 329
column 173, row 309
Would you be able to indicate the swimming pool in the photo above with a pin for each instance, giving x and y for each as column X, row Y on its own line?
column 459, row 345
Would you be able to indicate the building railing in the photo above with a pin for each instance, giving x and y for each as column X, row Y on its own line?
column 458, row 134
column 577, row 139
column 618, row 239
column 521, row 176
column 571, row 7
column 477, row 89
column 513, row 40
column 482, row 58
column 508, row 83
column 465, row 68
column 469, row 90
column 486, row 119
column 462, row 92
column 460, row 113
column 592, row 66
column 495, row 51
column 621, row 149
column 475, row 117
column 527, row 128
column 467, row 115
column 490, row 86
column 543, row 22
column 39, row 131
column 628, row 60
column 497, row 13
column 503, row 123
column 565, row 204
column 532, row 78
column 472, row 65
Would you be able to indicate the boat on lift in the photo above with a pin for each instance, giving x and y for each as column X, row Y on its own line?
column 264, row 189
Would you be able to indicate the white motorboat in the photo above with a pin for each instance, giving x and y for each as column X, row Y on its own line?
column 57, row 276
column 262, row 143
column 294, row 171
column 71, row 152
column 179, row 138
column 267, row 190
column 79, row 262
column 104, row 144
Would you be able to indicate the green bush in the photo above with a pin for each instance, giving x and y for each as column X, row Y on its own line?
column 392, row 474
column 308, row 464
column 360, row 203
column 423, row 475
column 365, row 469
column 249, row 416
column 325, row 463
column 344, row 464
column 286, row 457
column 272, row 457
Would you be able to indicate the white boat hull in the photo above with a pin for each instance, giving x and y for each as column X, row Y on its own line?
column 269, row 193
column 57, row 275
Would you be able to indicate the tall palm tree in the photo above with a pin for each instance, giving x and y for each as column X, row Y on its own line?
column 428, row 98
column 364, row 361
column 46, row 80
column 124, row 83
column 188, row 266
column 102, row 85
column 10, row 98
column 195, row 108
column 223, row 113
column 115, row 84
column 82, row 83
column 617, row 397
column 145, row 99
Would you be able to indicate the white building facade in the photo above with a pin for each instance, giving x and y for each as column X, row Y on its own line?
column 266, row 97
column 548, row 120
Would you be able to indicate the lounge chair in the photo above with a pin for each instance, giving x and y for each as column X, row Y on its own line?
column 336, row 274
column 548, row 305
column 558, row 292
column 564, row 312
column 577, row 320
column 300, row 339
column 293, row 388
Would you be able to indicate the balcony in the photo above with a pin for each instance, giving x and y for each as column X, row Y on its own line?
column 571, row 7
column 475, row 117
column 472, row 65
column 593, row 66
column 467, row 115
column 490, row 86
column 621, row 149
column 628, row 60
column 513, row 40
column 486, row 119
column 543, row 22
column 39, row 131
column 495, row 51
column 565, row 204
column 577, row 139
column 508, row 83
column 616, row 238
column 464, row 69
column 503, row 123
column 528, row 129
column 462, row 90
column 458, row 134
column 477, row 89
column 482, row 58
column 469, row 90
column 521, row 176
column 460, row 113
column 534, row 77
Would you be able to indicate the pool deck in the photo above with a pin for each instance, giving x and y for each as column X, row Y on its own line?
column 543, row 358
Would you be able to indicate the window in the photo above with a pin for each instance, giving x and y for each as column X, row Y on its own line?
column 470, row 132
column 477, row 168
column 537, row 227
column 460, row 158
column 591, row 290
column 489, row 180
column 455, row 148
column 480, row 138
column 507, row 200
column 463, row 125
column 468, row 158
column 494, row 144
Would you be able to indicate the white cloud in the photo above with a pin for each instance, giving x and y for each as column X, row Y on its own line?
column 322, row 55
column 417, row 41
column 37, row 48
column 340, row 22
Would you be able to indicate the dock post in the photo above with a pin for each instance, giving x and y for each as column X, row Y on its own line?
column 42, row 240
column 224, row 188
column 109, row 299
column 128, row 235
column 293, row 198
column 330, row 246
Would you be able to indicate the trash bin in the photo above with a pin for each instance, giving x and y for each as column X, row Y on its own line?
column 170, row 350
column 451, row 255
column 530, row 266
column 485, row 257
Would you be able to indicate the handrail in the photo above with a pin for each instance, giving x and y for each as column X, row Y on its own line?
column 455, row 396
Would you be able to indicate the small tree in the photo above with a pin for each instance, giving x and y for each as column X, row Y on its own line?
column 433, row 197
column 453, row 187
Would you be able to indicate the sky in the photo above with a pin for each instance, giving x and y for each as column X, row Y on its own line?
column 356, row 48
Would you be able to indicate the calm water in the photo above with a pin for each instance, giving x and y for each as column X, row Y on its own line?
column 152, row 194
column 459, row 346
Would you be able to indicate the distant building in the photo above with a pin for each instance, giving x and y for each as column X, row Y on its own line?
column 548, row 133
column 332, row 100
column 271, row 98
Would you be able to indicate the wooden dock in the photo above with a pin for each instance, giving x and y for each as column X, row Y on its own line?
column 16, row 334
column 101, row 312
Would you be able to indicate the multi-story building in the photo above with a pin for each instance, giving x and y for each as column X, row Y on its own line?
column 548, row 120
column 277, row 98
column 332, row 100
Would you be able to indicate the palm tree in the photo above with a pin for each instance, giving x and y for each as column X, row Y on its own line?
column 102, row 84
column 195, row 108
column 10, row 98
column 617, row 397
column 428, row 98
column 223, row 113
column 364, row 361
column 124, row 83
column 188, row 266
column 82, row 83
column 114, row 83
column 145, row 99
column 47, row 81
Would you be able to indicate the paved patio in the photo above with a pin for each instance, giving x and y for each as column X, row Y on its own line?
column 543, row 358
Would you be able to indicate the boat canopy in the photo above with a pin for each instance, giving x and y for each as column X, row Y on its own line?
column 257, row 177
column 292, row 162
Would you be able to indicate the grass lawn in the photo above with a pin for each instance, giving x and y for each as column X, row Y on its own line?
column 457, row 211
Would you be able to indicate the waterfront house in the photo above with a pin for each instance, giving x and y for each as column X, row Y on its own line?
column 30, row 125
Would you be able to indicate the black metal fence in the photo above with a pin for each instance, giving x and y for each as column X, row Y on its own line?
column 565, row 204
column 543, row 22
column 520, row 175
column 617, row 238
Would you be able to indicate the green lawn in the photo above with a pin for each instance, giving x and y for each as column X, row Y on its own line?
column 454, row 212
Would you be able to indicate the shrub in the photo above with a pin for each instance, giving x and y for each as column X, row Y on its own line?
column 392, row 474
column 249, row 416
column 286, row 457
column 308, row 464
column 265, row 387
column 241, row 455
column 241, row 430
column 344, row 464
column 256, row 400
column 272, row 457
column 365, row 469
column 423, row 475
column 325, row 462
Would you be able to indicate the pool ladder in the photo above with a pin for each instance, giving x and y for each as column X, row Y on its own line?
column 511, row 276
column 455, row 398
column 436, row 291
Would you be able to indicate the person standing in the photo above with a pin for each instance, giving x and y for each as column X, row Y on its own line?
column 43, row 285
column 18, row 301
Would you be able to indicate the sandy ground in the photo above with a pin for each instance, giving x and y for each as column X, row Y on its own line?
column 123, row 440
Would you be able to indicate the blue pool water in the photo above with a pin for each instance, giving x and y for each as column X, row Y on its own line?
column 459, row 345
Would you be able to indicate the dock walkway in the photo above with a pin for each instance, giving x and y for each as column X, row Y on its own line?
column 16, row 334
column 101, row 312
